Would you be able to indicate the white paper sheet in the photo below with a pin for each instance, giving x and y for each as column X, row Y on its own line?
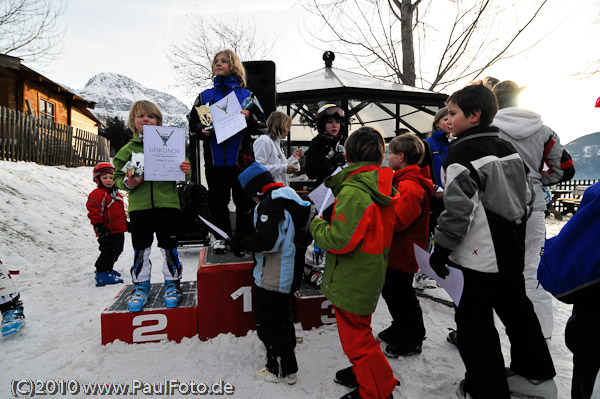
column 215, row 228
column 322, row 196
column 453, row 283
column 164, row 151
column 227, row 117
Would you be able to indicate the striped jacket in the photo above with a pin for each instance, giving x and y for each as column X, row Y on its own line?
column 487, row 194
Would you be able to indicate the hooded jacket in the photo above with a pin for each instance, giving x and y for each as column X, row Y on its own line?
column 358, row 237
column 438, row 144
column 415, row 189
column 279, row 221
column 149, row 194
column 105, row 205
column 237, row 149
column 487, row 193
column 548, row 161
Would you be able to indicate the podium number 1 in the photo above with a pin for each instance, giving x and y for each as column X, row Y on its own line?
column 245, row 292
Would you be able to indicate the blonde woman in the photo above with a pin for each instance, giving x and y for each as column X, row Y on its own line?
column 267, row 148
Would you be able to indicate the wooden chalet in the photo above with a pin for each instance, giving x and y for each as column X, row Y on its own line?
column 25, row 90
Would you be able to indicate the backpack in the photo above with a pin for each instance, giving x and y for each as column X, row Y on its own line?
column 570, row 264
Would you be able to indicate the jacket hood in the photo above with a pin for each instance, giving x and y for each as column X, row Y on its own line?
column 518, row 123
column 366, row 176
column 438, row 135
column 419, row 175
column 289, row 194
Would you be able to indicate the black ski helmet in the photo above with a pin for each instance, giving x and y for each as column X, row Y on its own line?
column 326, row 111
column 101, row 169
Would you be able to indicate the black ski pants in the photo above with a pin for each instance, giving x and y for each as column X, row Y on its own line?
column 479, row 343
column 404, row 307
column 110, row 248
column 275, row 328
column 223, row 183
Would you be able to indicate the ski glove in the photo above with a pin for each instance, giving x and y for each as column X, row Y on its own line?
column 439, row 259
column 236, row 246
column 338, row 159
column 101, row 231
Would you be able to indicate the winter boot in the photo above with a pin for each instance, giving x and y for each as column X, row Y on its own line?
column 116, row 273
column 523, row 387
column 462, row 393
column 172, row 293
column 217, row 245
column 12, row 321
column 104, row 278
column 264, row 374
column 346, row 378
column 403, row 349
column 389, row 335
column 453, row 336
column 139, row 296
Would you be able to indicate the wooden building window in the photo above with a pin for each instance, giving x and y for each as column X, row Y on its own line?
column 47, row 110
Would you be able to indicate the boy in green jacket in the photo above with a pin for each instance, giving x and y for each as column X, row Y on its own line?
column 358, row 239
column 153, row 208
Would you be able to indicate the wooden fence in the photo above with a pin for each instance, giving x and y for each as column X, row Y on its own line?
column 28, row 138
column 569, row 185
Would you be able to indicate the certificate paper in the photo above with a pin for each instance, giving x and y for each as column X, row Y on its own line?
column 164, row 151
column 227, row 117
column 453, row 283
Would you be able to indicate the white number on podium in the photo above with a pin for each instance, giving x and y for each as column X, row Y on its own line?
column 245, row 292
column 161, row 324
column 326, row 319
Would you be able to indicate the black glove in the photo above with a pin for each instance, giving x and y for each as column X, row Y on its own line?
column 338, row 159
column 101, row 230
column 236, row 245
column 439, row 259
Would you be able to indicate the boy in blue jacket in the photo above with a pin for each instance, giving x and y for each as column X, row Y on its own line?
column 278, row 243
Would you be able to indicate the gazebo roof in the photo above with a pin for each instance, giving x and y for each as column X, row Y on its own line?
column 331, row 82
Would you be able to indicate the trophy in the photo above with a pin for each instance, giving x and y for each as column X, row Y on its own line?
column 205, row 117
column 252, row 104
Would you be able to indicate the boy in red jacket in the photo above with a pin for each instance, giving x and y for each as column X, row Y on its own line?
column 406, row 334
column 107, row 214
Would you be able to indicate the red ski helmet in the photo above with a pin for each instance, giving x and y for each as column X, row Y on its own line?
column 101, row 169
column 326, row 111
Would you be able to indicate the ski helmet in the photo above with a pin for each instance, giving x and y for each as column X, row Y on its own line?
column 101, row 169
column 326, row 111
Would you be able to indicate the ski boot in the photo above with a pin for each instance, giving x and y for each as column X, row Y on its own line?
column 172, row 293
column 139, row 296
column 523, row 387
column 106, row 278
column 12, row 321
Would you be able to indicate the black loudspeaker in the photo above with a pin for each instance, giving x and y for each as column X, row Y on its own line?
column 260, row 79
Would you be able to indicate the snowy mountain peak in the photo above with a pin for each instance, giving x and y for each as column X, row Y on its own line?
column 114, row 94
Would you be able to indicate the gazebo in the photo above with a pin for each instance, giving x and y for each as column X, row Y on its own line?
column 390, row 107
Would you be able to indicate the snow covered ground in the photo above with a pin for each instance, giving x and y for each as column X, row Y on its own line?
column 45, row 233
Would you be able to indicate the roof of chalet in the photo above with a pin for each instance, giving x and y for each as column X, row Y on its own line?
column 82, row 105
column 331, row 82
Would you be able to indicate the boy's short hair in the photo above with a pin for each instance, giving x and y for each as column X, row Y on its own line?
column 476, row 97
column 365, row 145
column 279, row 124
column 146, row 107
column 410, row 145
column 237, row 68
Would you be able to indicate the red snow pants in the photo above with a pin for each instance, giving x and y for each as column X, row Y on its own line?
column 370, row 366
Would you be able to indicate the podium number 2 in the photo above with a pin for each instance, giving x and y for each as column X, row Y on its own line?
column 161, row 324
column 246, row 293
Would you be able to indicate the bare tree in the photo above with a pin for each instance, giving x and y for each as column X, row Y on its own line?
column 192, row 59
column 31, row 29
column 415, row 42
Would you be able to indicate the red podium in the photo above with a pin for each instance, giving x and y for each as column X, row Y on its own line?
column 225, row 294
column 219, row 302
column 155, row 322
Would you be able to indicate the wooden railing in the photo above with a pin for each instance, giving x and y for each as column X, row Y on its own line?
column 569, row 187
column 28, row 138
